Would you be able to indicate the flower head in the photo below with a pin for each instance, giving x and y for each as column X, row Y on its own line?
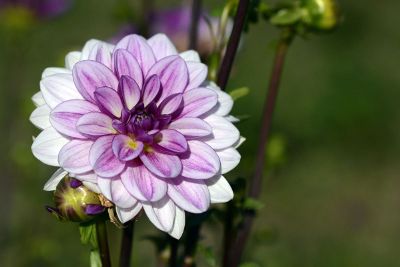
column 139, row 123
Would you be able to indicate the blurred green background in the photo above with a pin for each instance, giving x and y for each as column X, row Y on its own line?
column 332, row 200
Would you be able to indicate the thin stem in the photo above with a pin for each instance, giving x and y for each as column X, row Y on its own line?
column 126, row 245
column 147, row 13
column 173, row 258
column 103, row 243
column 192, row 239
column 228, row 232
column 194, row 24
column 233, row 43
column 256, row 181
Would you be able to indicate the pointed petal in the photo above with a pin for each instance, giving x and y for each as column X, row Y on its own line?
column 109, row 100
column 197, row 74
column 151, row 89
column 220, row 190
column 95, row 124
column 171, row 104
column 161, row 213
column 90, row 75
column 125, row 148
column 120, row 196
column 87, row 48
column 190, row 55
column 225, row 101
column 52, row 183
column 198, row 101
column 162, row 165
column 38, row 99
column 142, row 184
column 179, row 224
column 125, row 215
column 172, row 141
column 161, row 46
column 74, row 156
column 101, row 53
column 192, row 196
column 47, row 146
column 130, row 91
column 191, row 127
column 230, row 158
column 52, row 71
column 173, row 75
column 58, row 88
column 40, row 117
column 126, row 64
column 65, row 116
column 225, row 134
column 71, row 59
column 102, row 158
column 139, row 48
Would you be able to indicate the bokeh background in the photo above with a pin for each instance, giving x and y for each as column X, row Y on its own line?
column 333, row 196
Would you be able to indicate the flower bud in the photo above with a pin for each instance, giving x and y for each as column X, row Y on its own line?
column 321, row 14
column 75, row 202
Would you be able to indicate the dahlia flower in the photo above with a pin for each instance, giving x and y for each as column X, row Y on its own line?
column 138, row 123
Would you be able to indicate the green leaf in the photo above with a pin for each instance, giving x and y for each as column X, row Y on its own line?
column 252, row 204
column 95, row 260
column 286, row 17
column 239, row 92
column 88, row 234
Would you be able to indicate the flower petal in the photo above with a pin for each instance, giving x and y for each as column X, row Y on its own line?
column 171, row 104
column 38, row 99
column 198, row 101
column 151, row 89
column 190, row 55
column 197, row 74
column 74, row 156
column 47, row 146
column 85, row 177
column 52, row 71
column 162, row 165
column 52, row 183
column 191, row 127
column 102, row 158
column 139, row 48
column 220, row 190
column 95, row 124
column 101, row 53
column 65, row 116
column 71, row 59
column 161, row 213
column 40, row 117
column 92, row 187
column 192, row 196
column 119, row 195
column 225, row 134
column 58, row 88
column 200, row 162
column 179, row 223
column 172, row 141
column 90, row 75
column 161, row 46
column 126, row 64
column 142, row 184
column 225, row 101
column 125, row 215
column 230, row 158
column 109, row 100
column 125, row 148
column 173, row 75
column 130, row 91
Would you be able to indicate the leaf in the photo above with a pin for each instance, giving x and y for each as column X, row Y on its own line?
column 252, row 204
column 286, row 17
column 239, row 92
column 88, row 234
column 95, row 260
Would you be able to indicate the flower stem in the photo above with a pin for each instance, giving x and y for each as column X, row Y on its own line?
column 256, row 181
column 233, row 43
column 173, row 258
column 103, row 243
column 126, row 244
column 192, row 239
column 194, row 24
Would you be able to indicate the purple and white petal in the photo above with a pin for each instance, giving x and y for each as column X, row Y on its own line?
column 52, row 183
column 126, row 64
column 152, row 89
column 40, row 117
column 173, row 75
column 47, row 146
column 85, row 177
column 220, row 190
column 71, row 59
column 230, row 158
column 95, row 124
column 161, row 213
column 102, row 158
column 120, row 196
column 139, row 48
column 87, row 48
column 225, row 101
column 161, row 46
column 142, row 184
column 74, row 156
column 197, row 74
column 198, row 101
column 171, row 104
column 224, row 135
column 192, row 196
column 191, row 127
column 65, row 116
column 58, row 88
column 125, row 148
column 160, row 164
column 109, row 101
column 172, row 141
column 92, row 186
column 200, row 162
column 125, row 215
column 101, row 52
column 89, row 75
column 130, row 91
column 179, row 223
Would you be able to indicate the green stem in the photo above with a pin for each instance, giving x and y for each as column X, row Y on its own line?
column 103, row 243
column 126, row 245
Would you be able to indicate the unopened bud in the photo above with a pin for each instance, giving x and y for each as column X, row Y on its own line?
column 321, row 14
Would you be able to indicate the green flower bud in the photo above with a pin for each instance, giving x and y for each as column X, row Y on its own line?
column 75, row 202
column 321, row 14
